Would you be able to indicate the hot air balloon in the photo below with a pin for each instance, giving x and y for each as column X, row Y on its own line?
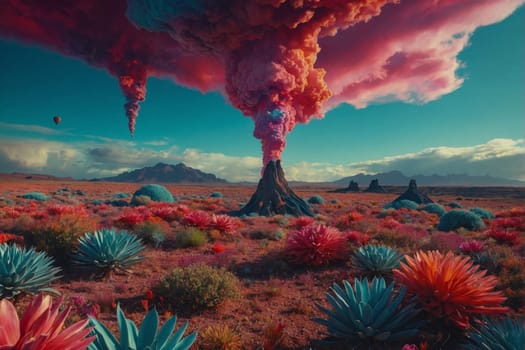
column 57, row 119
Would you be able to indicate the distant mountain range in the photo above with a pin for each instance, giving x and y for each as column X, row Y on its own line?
column 180, row 173
column 165, row 173
column 396, row 178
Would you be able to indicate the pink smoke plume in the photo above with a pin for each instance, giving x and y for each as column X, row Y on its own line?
column 281, row 62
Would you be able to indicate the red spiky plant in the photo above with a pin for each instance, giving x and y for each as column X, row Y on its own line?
column 222, row 223
column 41, row 327
column 196, row 218
column 316, row 245
column 450, row 287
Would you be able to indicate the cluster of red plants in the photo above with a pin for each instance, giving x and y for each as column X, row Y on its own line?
column 10, row 237
column 357, row 237
column 316, row 245
column 503, row 235
column 471, row 246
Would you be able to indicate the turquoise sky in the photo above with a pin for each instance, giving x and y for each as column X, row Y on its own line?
column 37, row 84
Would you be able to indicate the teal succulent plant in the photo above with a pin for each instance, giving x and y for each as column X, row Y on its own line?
column 434, row 208
column 369, row 314
column 315, row 200
column 402, row 203
column 156, row 193
column 25, row 271
column 483, row 213
column 108, row 250
column 457, row 218
column 147, row 337
column 37, row 196
column 376, row 259
column 506, row 334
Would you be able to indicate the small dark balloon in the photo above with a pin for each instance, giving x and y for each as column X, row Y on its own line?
column 57, row 119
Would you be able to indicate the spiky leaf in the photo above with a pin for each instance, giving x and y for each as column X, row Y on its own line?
column 25, row 271
column 369, row 312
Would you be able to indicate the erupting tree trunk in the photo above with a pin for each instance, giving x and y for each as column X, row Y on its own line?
column 273, row 195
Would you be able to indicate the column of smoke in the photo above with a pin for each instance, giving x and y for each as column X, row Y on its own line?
column 279, row 62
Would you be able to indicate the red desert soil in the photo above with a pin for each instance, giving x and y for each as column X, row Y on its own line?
column 273, row 290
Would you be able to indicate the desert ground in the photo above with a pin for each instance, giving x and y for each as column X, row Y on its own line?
column 277, row 295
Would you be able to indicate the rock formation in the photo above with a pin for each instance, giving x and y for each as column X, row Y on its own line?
column 413, row 194
column 352, row 187
column 374, row 187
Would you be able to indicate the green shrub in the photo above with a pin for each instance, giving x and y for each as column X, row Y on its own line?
column 482, row 213
column 190, row 237
column 434, row 208
column 261, row 233
column 403, row 203
column 216, row 195
column 37, row 196
column 156, row 193
column 59, row 237
column 457, row 218
column 119, row 203
column 151, row 233
column 455, row 205
column 197, row 286
column 316, row 200
column 121, row 195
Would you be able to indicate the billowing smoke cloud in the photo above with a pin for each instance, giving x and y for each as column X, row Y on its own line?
column 281, row 62
column 269, row 49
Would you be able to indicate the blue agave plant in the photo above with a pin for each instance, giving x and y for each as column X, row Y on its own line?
column 369, row 313
column 506, row 334
column 108, row 250
column 376, row 259
column 145, row 338
column 25, row 271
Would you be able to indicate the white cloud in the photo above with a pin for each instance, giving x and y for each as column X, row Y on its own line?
column 29, row 128
column 497, row 157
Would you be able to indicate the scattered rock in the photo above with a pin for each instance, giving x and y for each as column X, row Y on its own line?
column 413, row 194
column 374, row 187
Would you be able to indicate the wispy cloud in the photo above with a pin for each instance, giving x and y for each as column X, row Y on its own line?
column 497, row 157
column 30, row 128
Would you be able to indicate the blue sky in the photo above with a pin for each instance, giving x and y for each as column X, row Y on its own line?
column 478, row 129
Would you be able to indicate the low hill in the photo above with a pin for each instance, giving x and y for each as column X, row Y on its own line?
column 165, row 173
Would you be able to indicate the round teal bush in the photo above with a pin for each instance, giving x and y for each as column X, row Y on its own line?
column 457, row 218
column 37, row 196
column 121, row 195
column 434, row 208
column 455, row 205
column 216, row 195
column 482, row 213
column 157, row 193
column 403, row 203
column 316, row 200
